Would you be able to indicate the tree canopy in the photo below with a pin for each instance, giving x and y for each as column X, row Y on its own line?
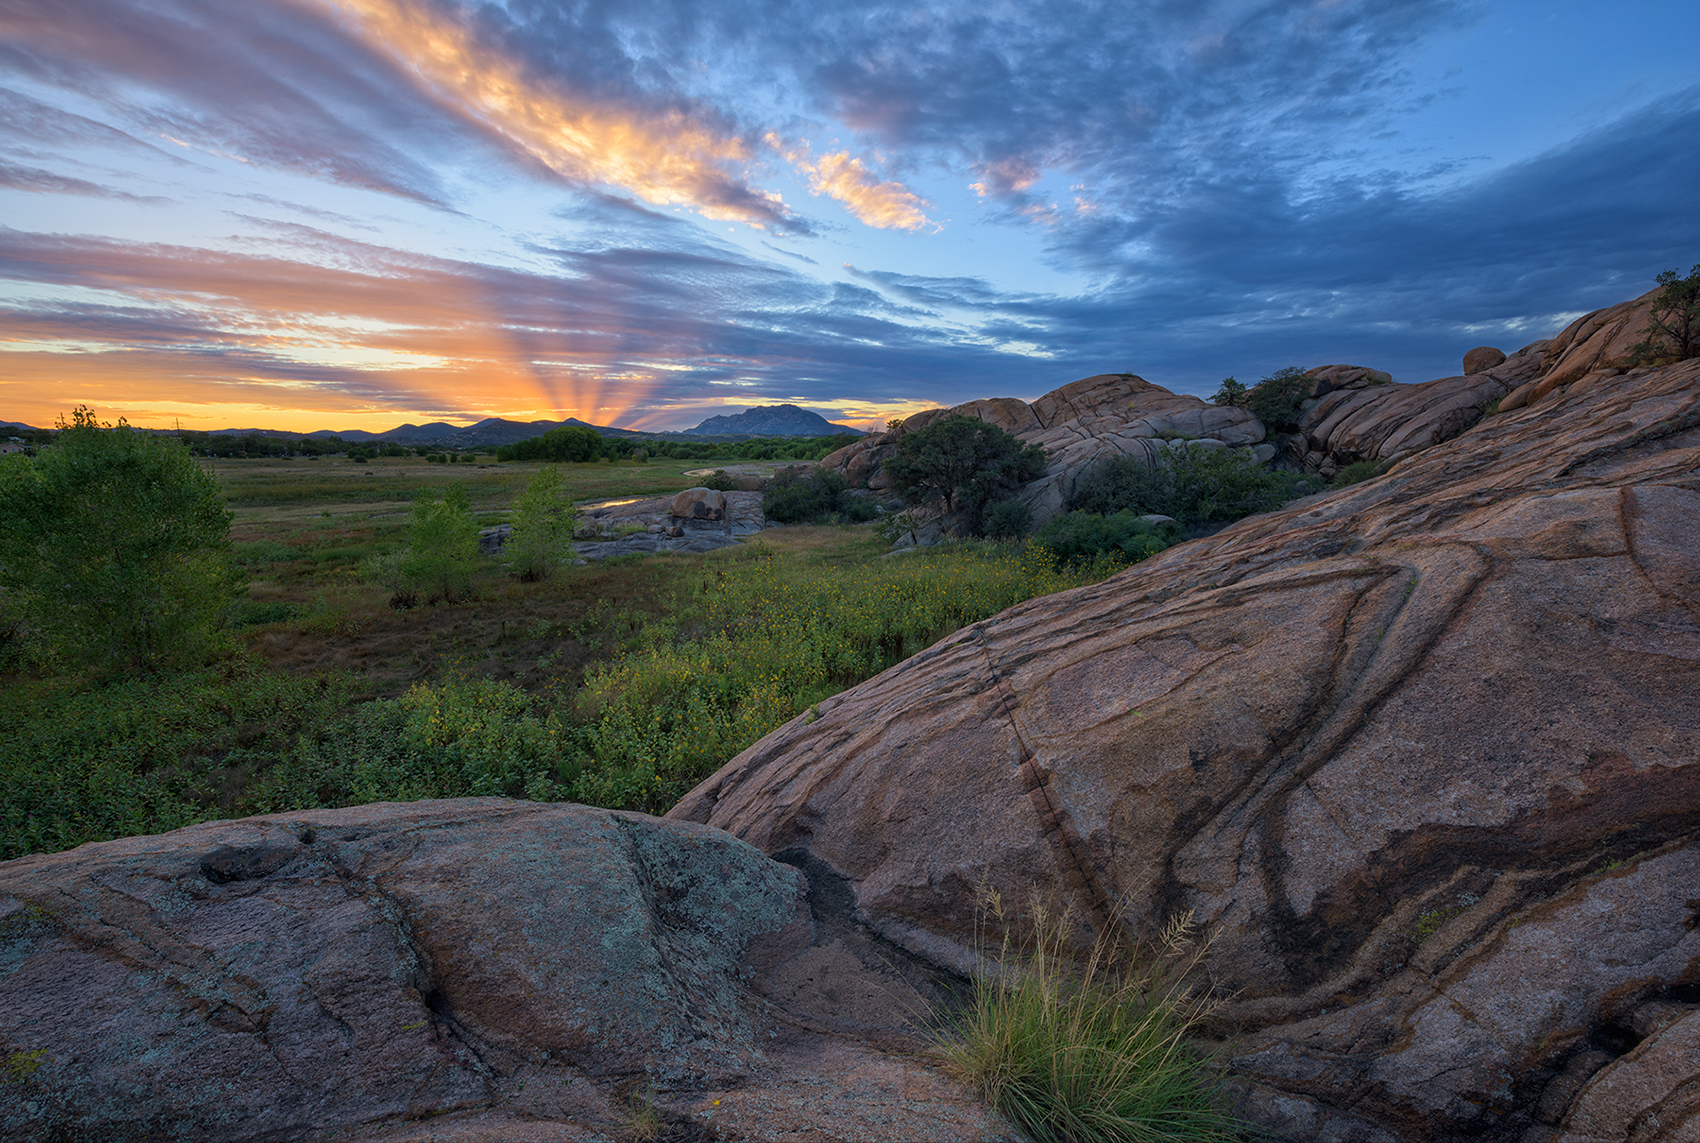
column 115, row 547
column 964, row 462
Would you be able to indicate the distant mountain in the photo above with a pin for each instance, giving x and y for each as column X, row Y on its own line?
column 18, row 425
column 772, row 421
column 433, row 431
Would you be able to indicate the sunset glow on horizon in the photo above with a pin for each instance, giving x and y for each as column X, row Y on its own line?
column 351, row 214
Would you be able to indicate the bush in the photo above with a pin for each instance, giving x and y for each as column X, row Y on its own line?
column 1194, row 483
column 1358, row 472
column 442, row 544
column 115, row 548
column 1123, row 538
column 1008, row 519
column 964, row 462
column 542, row 530
column 793, row 498
column 1276, row 399
column 720, row 482
column 1094, row 1052
column 1673, row 323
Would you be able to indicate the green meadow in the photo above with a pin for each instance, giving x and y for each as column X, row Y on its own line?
column 621, row 683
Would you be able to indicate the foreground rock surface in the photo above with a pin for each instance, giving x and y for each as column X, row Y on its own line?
column 471, row 969
column 1423, row 755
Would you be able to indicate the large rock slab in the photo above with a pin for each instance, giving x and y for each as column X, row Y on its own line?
column 1109, row 415
column 451, row 970
column 1421, row 754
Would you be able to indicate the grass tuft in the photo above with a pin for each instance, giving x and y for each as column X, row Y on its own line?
column 1092, row 1051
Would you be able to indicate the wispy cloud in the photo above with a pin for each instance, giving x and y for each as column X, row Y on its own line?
column 670, row 157
column 839, row 175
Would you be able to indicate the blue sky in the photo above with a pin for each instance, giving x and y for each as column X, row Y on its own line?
column 353, row 213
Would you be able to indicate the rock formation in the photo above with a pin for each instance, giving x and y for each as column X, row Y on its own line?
column 693, row 521
column 1390, row 423
column 1112, row 414
column 1423, row 755
column 1483, row 357
column 454, row 971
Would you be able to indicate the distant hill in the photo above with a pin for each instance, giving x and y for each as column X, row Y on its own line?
column 772, row 421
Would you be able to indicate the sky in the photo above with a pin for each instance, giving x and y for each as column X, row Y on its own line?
column 351, row 214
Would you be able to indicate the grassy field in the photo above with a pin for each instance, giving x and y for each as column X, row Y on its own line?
column 621, row 683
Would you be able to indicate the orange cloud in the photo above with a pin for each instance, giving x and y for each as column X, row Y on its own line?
column 399, row 338
column 662, row 158
column 887, row 205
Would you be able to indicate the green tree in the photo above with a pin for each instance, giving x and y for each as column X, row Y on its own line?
column 442, row 544
column 1673, row 323
column 964, row 462
column 1276, row 399
column 115, row 547
column 1232, row 393
column 542, row 528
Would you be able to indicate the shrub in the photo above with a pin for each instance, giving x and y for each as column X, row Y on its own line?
column 542, row 532
column 964, row 462
column 1123, row 538
column 442, row 544
column 115, row 547
column 1008, row 519
column 1093, row 1052
column 1194, row 483
column 1276, row 399
column 801, row 498
column 1673, row 323
column 900, row 524
column 1358, row 472
column 720, row 482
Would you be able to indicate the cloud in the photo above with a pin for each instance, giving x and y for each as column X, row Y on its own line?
column 24, row 178
column 840, row 176
column 670, row 157
column 618, row 334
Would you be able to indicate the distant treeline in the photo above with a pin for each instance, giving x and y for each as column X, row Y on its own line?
column 575, row 443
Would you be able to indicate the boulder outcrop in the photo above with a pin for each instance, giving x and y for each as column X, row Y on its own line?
column 1423, row 755
column 1390, row 423
column 1483, row 357
column 461, row 970
column 693, row 521
column 1112, row 414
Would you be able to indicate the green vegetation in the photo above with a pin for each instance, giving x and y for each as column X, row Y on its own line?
column 1276, row 399
column 615, row 685
column 579, row 443
column 1093, row 1052
column 1358, row 472
column 1232, row 393
column 817, row 496
column 1079, row 538
column 114, row 549
column 1008, row 519
column 964, row 462
column 1673, row 323
column 442, row 545
column 542, row 536
column 1193, row 483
